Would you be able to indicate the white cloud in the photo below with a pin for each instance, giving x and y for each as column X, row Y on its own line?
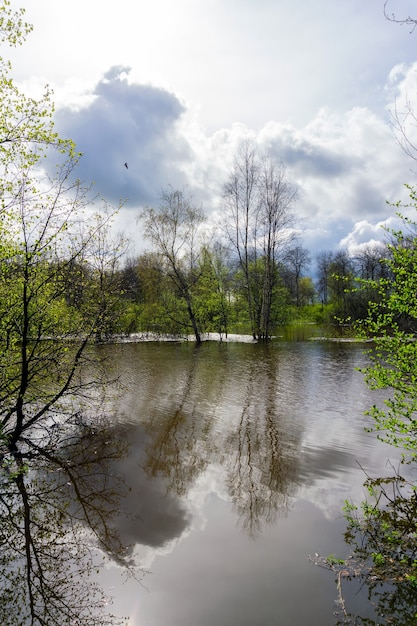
column 240, row 61
column 129, row 123
column 347, row 164
column 188, row 80
column 363, row 234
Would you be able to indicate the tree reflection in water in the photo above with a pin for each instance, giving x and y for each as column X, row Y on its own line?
column 382, row 537
column 259, row 452
column 173, row 450
column 56, row 507
column 263, row 467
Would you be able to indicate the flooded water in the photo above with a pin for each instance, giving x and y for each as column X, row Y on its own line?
column 240, row 459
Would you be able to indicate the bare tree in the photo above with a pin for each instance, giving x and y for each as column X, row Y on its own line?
column 240, row 195
column 341, row 280
column 404, row 119
column 297, row 259
column 392, row 17
column 370, row 261
column 258, row 201
column 173, row 228
column 277, row 198
column 43, row 339
column 324, row 260
column 46, row 375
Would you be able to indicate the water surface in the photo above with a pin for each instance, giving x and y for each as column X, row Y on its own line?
column 241, row 457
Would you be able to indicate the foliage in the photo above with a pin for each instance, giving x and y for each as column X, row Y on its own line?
column 382, row 533
column 56, row 268
column 349, row 283
column 173, row 228
column 312, row 314
column 46, row 249
column 392, row 324
column 212, row 294
column 58, row 292
column 297, row 259
column 382, row 536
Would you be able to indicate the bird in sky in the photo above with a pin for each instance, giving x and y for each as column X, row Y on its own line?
column 126, row 166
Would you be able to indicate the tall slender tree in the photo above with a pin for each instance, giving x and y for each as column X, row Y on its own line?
column 297, row 259
column 259, row 208
column 241, row 201
column 324, row 261
column 174, row 227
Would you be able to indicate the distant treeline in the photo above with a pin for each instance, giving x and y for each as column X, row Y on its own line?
column 151, row 301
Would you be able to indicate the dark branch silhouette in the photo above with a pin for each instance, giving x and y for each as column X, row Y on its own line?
column 392, row 17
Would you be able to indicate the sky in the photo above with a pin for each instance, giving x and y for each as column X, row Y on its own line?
column 171, row 88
